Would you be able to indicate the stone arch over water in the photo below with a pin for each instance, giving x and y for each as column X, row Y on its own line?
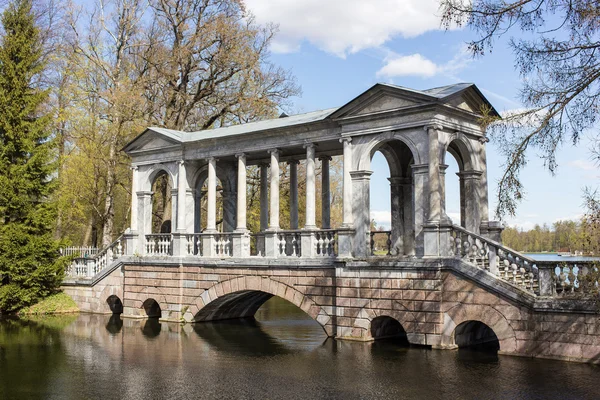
column 115, row 304
column 385, row 327
column 241, row 297
column 490, row 317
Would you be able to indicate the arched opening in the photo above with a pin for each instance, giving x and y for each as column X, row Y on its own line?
column 114, row 304
column 460, row 199
column 391, row 200
column 162, row 204
column 271, row 321
column 384, row 327
column 380, row 206
column 246, row 304
column 152, row 308
column 476, row 335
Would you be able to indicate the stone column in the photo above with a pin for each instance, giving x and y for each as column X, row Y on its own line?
column 469, row 183
column 443, row 168
column 274, row 195
column 325, row 193
column 347, row 220
column 241, row 192
column 362, row 217
column 241, row 237
column 397, row 187
column 435, row 187
column 271, row 242
column 420, row 205
column 181, row 197
column 190, row 213
column 211, row 208
column 345, row 234
column 134, row 200
column 409, row 217
column 309, row 222
column 482, row 187
column 144, row 218
column 293, row 194
column 174, row 207
column 264, row 198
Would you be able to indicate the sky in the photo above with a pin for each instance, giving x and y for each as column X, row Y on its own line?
column 337, row 49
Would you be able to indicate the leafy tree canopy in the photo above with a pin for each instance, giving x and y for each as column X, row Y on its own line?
column 29, row 263
column 557, row 56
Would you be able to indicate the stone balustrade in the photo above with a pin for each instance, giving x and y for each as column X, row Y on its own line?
column 388, row 242
column 544, row 278
column 159, row 244
column 87, row 267
column 491, row 256
column 326, row 242
column 567, row 278
column 540, row 278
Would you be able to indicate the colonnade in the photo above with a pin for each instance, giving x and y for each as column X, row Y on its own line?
column 417, row 199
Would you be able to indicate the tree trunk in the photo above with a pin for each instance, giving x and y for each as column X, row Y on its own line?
column 109, row 210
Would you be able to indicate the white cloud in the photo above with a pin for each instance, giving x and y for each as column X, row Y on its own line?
column 454, row 216
column 521, row 224
column 418, row 65
column 584, row 165
column 413, row 65
column 343, row 27
column 382, row 218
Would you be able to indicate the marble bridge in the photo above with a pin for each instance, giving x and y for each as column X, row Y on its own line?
column 189, row 255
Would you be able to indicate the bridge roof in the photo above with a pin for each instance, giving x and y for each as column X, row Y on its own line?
column 433, row 95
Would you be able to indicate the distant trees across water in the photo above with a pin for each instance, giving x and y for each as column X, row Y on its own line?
column 562, row 236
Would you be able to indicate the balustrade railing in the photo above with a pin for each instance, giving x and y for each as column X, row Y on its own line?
column 193, row 244
column 223, row 245
column 89, row 266
column 569, row 278
column 79, row 251
column 486, row 254
column 326, row 242
column 381, row 243
column 289, row 243
column 159, row 244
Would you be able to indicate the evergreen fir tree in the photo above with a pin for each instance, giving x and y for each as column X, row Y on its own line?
column 29, row 259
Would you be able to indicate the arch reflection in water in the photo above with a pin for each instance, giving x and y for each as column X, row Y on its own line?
column 277, row 327
column 151, row 328
column 114, row 324
column 477, row 336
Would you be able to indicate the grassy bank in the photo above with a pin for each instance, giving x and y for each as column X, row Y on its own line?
column 58, row 303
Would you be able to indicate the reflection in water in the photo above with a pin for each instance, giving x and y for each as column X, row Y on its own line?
column 243, row 336
column 114, row 324
column 151, row 328
column 281, row 354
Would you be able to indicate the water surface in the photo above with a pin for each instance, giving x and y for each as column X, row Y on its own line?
column 282, row 354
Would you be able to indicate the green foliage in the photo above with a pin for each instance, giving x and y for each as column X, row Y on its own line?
column 28, row 254
column 57, row 303
column 568, row 236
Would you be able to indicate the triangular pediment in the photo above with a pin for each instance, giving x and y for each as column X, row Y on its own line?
column 386, row 97
column 471, row 100
column 154, row 139
column 380, row 98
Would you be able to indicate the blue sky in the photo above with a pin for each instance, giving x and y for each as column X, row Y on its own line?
column 339, row 48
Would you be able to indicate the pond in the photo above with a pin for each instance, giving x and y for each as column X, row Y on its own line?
column 280, row 354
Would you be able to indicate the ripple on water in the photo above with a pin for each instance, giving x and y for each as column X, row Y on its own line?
column 280, row 354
